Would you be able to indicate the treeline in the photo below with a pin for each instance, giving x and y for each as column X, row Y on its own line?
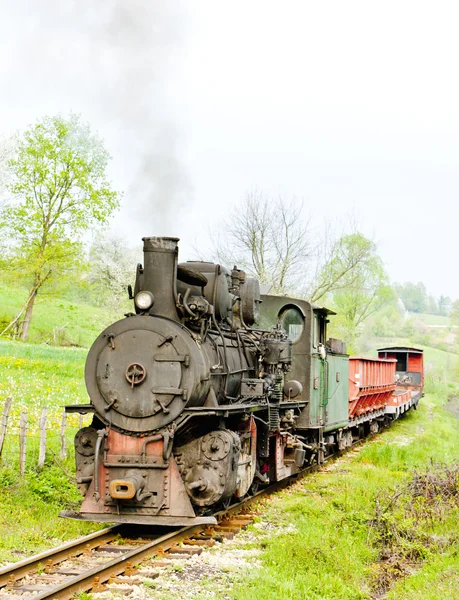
column 416, row 299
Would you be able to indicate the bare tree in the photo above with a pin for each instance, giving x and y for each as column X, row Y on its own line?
column 269, row 238
column 273, row 241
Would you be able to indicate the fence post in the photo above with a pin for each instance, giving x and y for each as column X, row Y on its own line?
column 4, row 422
column 42, row 451
column 22, row 442
column 80, row 420
column 63, row 441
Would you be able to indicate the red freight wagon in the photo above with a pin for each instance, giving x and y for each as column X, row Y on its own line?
column 400, row 402
column 409, row 372
column 371, row 384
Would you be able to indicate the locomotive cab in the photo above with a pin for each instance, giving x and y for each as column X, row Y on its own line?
column 319, row 366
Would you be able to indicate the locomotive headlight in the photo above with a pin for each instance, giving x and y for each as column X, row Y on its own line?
column 144, row 300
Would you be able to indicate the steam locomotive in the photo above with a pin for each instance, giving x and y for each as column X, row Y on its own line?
column 209, row 390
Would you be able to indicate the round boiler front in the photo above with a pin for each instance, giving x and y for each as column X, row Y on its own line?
column 142, row 372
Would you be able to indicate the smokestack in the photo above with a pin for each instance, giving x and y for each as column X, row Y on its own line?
column 160, row 274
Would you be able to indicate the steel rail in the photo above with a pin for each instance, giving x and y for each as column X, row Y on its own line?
column 116, row 566
column 70, row 548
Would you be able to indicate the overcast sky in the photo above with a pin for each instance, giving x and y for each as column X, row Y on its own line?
column 350, row 106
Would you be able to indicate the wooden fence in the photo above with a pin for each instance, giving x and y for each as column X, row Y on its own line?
column 24, row 434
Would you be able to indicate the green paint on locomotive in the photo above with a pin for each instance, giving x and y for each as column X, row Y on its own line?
column 322, row 373
column 336, row 399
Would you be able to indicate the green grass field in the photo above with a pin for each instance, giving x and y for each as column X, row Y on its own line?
column 34, row 377
column 55, row 321
column 431, row 319
column 37, row 376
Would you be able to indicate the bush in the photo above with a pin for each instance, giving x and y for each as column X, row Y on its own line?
column 52, row 485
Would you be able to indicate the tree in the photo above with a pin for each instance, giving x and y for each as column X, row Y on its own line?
column 414, row 296
column 60, row 190
column 111, row 268
column 444, row 305
column 8, row 146
column 361, row 291
column 454, row 314
column 268, row 238
column 341, row 263
column 272, row 240
column 432, row 306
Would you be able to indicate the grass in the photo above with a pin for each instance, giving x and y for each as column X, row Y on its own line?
column 55, row 320
column 29, row 509
column 329, row 546
column 37, row 376
column 430, row 319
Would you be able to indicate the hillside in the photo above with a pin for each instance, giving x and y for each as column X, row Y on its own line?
column 56, row 321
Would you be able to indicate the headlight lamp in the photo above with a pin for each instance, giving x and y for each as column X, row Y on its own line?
column 144, row 300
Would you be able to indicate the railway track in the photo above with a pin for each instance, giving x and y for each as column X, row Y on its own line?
column 88, row 563
column 91, row 562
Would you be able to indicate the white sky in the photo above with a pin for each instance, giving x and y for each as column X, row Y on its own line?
column 351, row 106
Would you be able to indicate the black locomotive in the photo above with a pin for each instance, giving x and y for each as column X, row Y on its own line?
column 205, row 392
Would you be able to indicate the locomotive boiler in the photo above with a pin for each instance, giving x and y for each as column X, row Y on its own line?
column 208, row 390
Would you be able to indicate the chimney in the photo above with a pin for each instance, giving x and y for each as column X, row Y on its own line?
column 160, row 274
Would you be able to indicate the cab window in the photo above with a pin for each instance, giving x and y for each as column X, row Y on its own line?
column 292, row 322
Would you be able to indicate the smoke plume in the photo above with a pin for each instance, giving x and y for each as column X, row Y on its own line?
column 118, row 62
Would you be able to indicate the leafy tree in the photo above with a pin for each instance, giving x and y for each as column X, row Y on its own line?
column 454, row 314
column 413, row 296
column 342, row 264
column 60, row 191
column 386, row 322
column 444, row 305
column 8, row 145
column 432, row 306
column 362, row 290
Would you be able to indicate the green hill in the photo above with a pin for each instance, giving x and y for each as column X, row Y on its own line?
column 56, row 321
column 430, row 319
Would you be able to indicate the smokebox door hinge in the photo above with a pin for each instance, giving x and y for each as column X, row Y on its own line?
column 182, row 358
